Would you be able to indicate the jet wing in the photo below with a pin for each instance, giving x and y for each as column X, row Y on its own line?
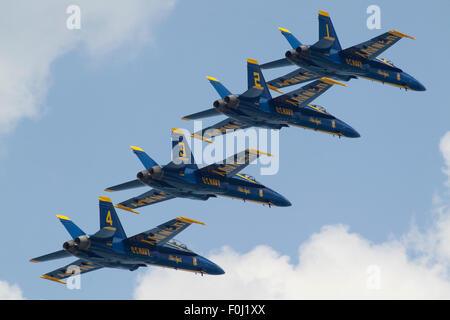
column 374, row 47
column 219, row 129
column 295, row 77
column 306, row 94
column 82, row 266
column 149, row 197
column 233, row 164
column 163, row 233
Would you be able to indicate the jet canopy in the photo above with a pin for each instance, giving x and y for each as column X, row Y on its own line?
column 318, row 108
column 248, row 177
column 178, row 243
column 388, row 62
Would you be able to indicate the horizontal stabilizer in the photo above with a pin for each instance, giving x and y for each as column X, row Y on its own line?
column 276, row 64
column 52, row 256
column 323, row 45
column 126, row 185
column 202, row 114
column 251, row 94
column 104, row 233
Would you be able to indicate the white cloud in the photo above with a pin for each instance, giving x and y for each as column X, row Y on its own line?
column 34, row 35
column 10, row 292
column 444, row 146
column 333, row 263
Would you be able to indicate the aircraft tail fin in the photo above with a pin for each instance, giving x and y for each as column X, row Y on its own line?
column 256, row 79
column 293, row 41
column 220, row 88
column 144, row 157
column 71, row 227
column 181, row 152
column 326, row 30
column 109, row 218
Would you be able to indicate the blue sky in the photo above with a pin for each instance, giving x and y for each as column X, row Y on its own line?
column 97, row 104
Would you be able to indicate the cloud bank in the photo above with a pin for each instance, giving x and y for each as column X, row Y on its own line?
column 333, row 263
column 34, row 34
column 10, row 292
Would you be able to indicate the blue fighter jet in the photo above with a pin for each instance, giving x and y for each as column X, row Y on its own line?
column 256, row 108
column 183, row 178
column 326, row 58
column 111, row 248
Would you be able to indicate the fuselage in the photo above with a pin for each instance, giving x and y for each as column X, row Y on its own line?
column 268, row 114
column 130, row 255
column 189, row 182
column 344, row 67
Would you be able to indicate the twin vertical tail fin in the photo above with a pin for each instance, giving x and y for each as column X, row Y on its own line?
column 181, row 152
column 219, row 87
column 326, row 30
column 71, row 227
column 109, row 219
column 293, row 41
column 256, row 79
column 145, row 159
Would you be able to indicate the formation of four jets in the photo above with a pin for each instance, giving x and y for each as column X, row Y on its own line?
column 322, row 64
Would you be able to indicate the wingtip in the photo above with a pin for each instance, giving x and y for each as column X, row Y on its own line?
column 331, row 81
column 283, row 30
column 34, row 261
column 401, row 34
column 136, row 148
column 212, row 79
column 188, row 220
column 185, row 118
column 125, row 208
column 108, row 190
column 52, row 279
column 61, row 217
column 274, row 89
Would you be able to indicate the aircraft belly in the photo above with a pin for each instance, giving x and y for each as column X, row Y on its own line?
column 245, row 192
column 315, row 123
column 177, row 261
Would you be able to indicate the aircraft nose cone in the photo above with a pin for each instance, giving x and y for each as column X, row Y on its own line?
column 418, row 86
column 347, row 131
column 352, row 133
column 414, row 84
column 277, row 199
column 210, row 267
